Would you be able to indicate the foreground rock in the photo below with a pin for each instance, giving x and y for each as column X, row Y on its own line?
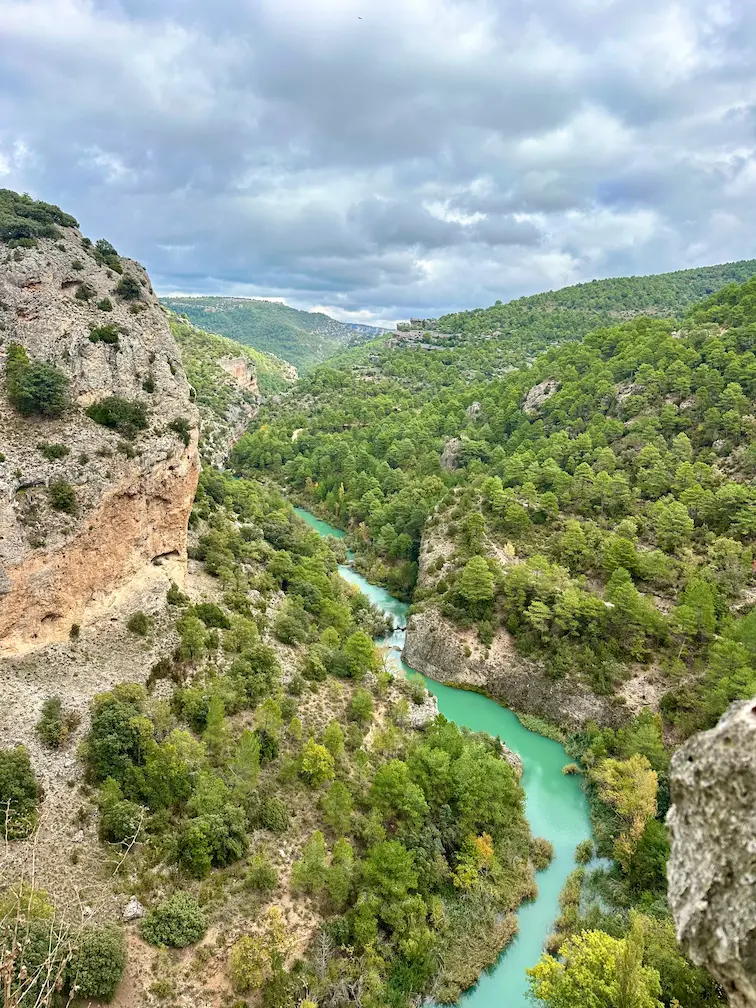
column 712, row 868
column 132, row 497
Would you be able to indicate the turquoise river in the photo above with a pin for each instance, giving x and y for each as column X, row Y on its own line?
column 556, row 807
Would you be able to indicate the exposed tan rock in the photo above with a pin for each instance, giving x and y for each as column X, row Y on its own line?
column 58, row 569
column 242, row 371
column 712, row 868
column 450, row 454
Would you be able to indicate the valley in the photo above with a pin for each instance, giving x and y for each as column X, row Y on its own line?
column 222, row 783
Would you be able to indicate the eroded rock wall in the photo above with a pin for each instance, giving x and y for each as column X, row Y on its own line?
column 132, row 497
column 712, row 867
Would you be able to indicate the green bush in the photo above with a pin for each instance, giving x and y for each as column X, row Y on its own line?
column 128, row 288
column 105, row 304
column 62, row 496
column 181, row 427
column 261, row 875
column 55, row 725
column 120, row 821
column 106, row 255
column 85, row 292
column 541, row 853
column 19, row 792
column 24, row 217
column 53, row 451
column 139, row 623
column 104, row 334
column 212, row 615
column 176, row 922
column 175, row 596
column 361, row 706
column 127, row 416
column 34, row 388
column 97, row 962
column 274, row 815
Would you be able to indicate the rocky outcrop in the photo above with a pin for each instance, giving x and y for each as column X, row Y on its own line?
column 132, row 497
column 441, row 651
column 712, row 868
column 450, row 454
column 242, row 371
column 538, row 395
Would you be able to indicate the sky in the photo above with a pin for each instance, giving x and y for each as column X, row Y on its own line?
column 378, row 159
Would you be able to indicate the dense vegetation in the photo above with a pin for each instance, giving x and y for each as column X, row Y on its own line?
column 598, row 506
column 23, row 219
column 34, row 387
column 573, row 311
column 413, row 849
column 302, row 338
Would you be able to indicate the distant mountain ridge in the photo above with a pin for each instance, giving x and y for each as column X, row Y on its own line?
column 302, row 338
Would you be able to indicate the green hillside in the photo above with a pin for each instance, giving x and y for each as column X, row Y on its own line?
column 573, row 311
column 302, row 338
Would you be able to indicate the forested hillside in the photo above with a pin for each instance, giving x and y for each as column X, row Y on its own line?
column 617, row 471
column 299, row 337
column 573, row 311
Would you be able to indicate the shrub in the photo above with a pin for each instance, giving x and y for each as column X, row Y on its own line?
column 104, row 334
column 128, row 288
column 77, row 265
column 175, row 596
column 212, row 615
column 53, row 451
column 584, row 852
column 62, row 496
column 571, row 768
column 123, row 415
column 24, row 217
column 361, row 706
column 105, row 304
column 181, row 427
column 75, row 632
column 139, row 623
column 19, row 791
column 248, row 964
column 176, row 922
column 541, row 853
column 106, row 255
column 274, row 815
column 98, row 962
column 120, row 820
column 55, row 725
column 85, row 292
column 34, row 388
column 148, row 385
column 261, row 875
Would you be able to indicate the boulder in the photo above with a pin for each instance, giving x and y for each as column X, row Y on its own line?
column 712, row 867
column 133, row 910
column 538, row 395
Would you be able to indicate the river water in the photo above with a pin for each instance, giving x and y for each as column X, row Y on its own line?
column 555, row 805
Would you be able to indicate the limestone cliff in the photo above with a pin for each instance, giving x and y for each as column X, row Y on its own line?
column 712, row 868
column 69, row 306
column 438, row 648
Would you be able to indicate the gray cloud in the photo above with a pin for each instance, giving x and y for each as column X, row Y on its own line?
column 435, row 155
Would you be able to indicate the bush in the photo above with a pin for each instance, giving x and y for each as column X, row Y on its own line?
column 176, row 922
column 541, row 853
column 571, row 768
column 53, row 451
column 128, row 288
column 361, row 706
column 274, row 815
column 98, row 962
column 212, row 615
column 127, row 416
column 261, row 875
column 24, row 217
column 181, row 427
column 175, row 596
column 248, row 964
column 584, row 852
column 85, row 292
column 120, row 821
column 139, row 623
column 34, row 388
column 19, row 792
column 104, row 334
column 62, row 496
column 106, row 255
column 105, row 304
column 54, row 726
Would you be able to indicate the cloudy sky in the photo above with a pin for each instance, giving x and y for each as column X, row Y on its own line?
column 377, row 158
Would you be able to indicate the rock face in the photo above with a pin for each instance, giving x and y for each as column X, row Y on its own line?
column 450, row 454
column 538, row 395
column 242, row 372
column 438, row 649
column 132, row 498
column 712, row 868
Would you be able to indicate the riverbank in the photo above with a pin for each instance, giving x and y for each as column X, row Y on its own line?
column 555, row 806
